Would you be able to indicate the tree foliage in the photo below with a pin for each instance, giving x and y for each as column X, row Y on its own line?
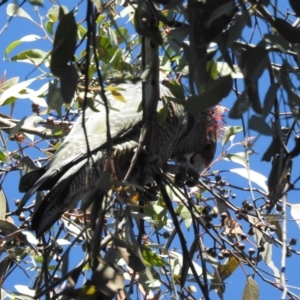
column 195, row 238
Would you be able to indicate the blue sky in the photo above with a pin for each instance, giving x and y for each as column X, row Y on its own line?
column 19, row 27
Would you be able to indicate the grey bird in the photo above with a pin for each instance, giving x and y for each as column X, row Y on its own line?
column 188, row 139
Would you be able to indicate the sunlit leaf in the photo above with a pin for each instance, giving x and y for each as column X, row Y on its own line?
column 224, row 69
column 13, row 45
column 53, row 12
column 151, row 258
column 230, row 131
column 295, row 213
column 13, row 10
column 13, row 90
column 98, row 4
column 229, row 267
column 32, row 122
column 57, row 130
column 2, row 156
column 24, row 289
column 49, row 26
column 251, row 291
column 112, row 37
column 240, row 159
column 3, row 205
column 37, row 2
column 17, row 127
column 116, row 60
column 32, row 56
column 180, row 259
column 255, row 177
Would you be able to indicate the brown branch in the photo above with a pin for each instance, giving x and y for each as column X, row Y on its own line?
column 46, row 133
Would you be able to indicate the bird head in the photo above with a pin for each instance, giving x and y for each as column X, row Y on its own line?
column 213, row 123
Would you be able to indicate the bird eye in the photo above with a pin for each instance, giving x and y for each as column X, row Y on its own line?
column 208, row 146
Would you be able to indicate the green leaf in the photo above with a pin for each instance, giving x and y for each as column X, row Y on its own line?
column 7, row 228
column 251, row 291
column 3, row 205
column 176, row 89
column 224, row 9
column 254, row 61
column 211, row 68
column 258, row 124
column 53, row 12
column 151, row 258
column 229, row 267
column 116, row 60
column 295, row 4
column 105, row 49
column 13, row 10
column 255, row 177
column 144, row 29
column 294, row 102
column 64, row 43
column 32, row 56
column 295, row 213
column 54, row 98
column 240, row 106
column 130, row 255
column 235, row 31
column 49, row 26
column 13, row 45
column 277, row 40
column 57, row 130
column 230, row 131
column 214, row 93
column 112, row 37
column 237, row 158
column 287, row 31
column 2, row 156
column 270, row 99
column 68, row 82
column 98, row 4
column 122, row 35
column 81, row 31
column 37, row 2
column 115, row 91
column 32, row 122
column 17, row 127
column 13, row 90
column 8, row 83
column 162, row 114
column 224, row 69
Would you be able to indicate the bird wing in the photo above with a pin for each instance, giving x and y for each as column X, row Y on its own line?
column 72, row 154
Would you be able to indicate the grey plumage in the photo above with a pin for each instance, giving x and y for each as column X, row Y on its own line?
column 70, row 173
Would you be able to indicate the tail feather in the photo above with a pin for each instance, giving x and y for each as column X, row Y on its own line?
column 29, row 179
